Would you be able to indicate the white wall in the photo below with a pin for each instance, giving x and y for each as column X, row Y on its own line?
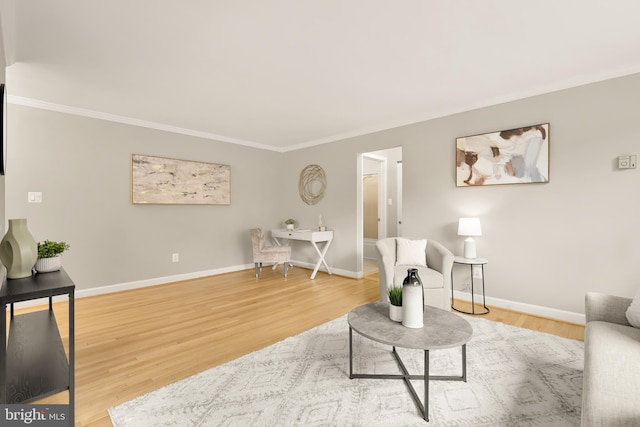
column 546, row 243
column 82, row 167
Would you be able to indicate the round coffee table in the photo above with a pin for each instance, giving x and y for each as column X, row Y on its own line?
column 442, row 329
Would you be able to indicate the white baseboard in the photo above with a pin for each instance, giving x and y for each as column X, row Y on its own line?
column 369, row 248
column 157, row 281
column 101, row 290
column 536, row 310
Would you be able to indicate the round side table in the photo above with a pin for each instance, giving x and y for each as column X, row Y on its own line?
column 471, row 262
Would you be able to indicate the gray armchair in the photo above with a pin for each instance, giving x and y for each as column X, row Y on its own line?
column 435, row 276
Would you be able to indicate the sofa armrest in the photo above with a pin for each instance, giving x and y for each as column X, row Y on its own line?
column 606, row 308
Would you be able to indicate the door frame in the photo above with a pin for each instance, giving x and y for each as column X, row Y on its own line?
column 382, row 182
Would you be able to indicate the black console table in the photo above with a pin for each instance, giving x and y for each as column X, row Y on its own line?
column 33, row 363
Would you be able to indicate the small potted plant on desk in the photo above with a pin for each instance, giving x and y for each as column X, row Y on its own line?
column 395, row 303
column 49, row 258
column 289, row 223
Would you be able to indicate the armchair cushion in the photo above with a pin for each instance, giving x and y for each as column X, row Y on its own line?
column 411, row 252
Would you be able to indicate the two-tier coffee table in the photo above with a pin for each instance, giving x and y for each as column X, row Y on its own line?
column 442, row 329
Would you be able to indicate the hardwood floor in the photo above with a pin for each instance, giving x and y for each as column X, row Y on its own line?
column 541, row 324
column 130, row 343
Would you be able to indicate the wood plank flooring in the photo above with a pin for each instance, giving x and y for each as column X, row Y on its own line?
column 130, row 343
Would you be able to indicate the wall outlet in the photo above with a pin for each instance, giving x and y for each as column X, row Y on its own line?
column 175, row 257
column 477, row 272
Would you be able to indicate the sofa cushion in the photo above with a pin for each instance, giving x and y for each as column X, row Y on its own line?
column 411, row 252
column 633, row 312
column 611, row 392
column 431, row 279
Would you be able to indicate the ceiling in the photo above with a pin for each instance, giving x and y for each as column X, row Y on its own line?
column 287, row 74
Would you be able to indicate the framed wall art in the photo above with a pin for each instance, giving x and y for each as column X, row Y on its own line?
column 515, row 156
column 160, row 180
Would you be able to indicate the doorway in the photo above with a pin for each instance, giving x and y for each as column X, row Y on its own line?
column 381, row 201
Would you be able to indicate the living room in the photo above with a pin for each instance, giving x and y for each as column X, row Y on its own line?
column 547, row 244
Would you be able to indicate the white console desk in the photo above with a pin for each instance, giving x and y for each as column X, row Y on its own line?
column 310, row 236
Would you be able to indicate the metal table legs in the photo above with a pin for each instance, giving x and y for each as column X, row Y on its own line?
column 407, row 377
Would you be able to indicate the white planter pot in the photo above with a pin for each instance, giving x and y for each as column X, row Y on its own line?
column 290, row 226
column 46, row 265
column 395, row 312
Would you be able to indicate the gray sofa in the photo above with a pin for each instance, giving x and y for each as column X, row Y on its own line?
column 611, row 384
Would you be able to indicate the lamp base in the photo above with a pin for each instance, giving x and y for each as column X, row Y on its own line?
column 470, row 248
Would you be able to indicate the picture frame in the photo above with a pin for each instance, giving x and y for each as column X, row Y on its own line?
column 162, row 180
column 513, row 156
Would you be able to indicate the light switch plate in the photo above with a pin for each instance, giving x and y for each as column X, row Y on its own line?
column 34, row 197
column 627, row 162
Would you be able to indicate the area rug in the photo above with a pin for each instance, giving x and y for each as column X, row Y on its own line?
column 515, row 377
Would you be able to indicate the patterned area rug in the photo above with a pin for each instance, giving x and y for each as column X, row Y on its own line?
column 515, row 377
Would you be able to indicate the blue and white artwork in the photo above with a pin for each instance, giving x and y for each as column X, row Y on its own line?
column 516, row 156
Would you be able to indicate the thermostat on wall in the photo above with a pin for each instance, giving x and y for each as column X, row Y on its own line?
column 627, row 162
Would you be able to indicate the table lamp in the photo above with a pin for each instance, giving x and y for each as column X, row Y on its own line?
column 469, row 227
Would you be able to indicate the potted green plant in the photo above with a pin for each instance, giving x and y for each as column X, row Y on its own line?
column 49, row 256
column 289, row 223
column 395, row 306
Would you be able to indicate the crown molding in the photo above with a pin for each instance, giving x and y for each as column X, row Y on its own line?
column 573, row 82
column 43, row 105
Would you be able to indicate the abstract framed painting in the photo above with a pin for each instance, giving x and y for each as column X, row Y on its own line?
column 514, row 156
column 160, row 180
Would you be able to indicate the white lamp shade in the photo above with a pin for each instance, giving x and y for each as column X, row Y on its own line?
column 469, row 227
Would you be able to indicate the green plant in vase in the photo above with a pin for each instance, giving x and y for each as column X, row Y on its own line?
column 289, row 223
column 395, row 296
column 49, row 256
column 395, row 306
column 49, row 249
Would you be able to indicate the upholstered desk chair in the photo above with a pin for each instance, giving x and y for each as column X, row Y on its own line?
column 434, row 263
column 271, row 254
